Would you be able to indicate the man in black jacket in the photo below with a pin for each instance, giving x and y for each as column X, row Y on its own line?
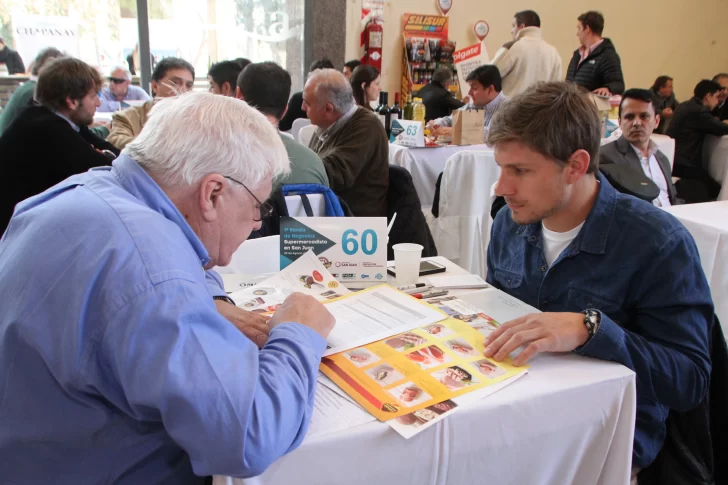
column 437, row 98
column 595, row 65
column 638, row 121
column 11, row 59
column 721, row 111
column 690, row 123
column 48, row 143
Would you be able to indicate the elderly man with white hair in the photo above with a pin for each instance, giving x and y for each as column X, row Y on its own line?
column 351, row 142
column 119, row 90
column 115, row 366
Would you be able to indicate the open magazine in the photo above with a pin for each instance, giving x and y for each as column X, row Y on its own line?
column 422, row 369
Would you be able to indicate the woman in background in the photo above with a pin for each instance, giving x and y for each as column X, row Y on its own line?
column 365, row 81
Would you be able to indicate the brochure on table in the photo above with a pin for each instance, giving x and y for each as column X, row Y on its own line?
column 423, row 367
column 353, row 249
column 307, row 275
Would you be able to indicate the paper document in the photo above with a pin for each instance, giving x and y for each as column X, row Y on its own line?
column 422, row 367
column 333, row 413
column 374, row 314
column 306, row 275
column 450, row 282
column 418, row 421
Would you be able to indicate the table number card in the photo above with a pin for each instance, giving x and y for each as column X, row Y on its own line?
column 351, row 248
column 407, row 133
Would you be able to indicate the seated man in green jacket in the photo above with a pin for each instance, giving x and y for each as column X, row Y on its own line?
column 23, row 96
column 266, row 86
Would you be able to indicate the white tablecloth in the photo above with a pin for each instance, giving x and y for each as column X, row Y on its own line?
column 425, row 165
column 715, row 159
column 708, row 223
column 569, row 421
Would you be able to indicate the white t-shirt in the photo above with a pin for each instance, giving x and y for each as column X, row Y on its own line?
column 555, row 242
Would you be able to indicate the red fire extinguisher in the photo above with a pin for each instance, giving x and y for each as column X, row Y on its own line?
column 374, row 32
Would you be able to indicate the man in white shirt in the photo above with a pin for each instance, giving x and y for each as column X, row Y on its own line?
column 637, row 119
column 527, row 59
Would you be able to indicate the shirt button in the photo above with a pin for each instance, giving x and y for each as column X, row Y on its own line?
column 509, row 281
column 545, row 304
column 532, row 239
column 544, row 268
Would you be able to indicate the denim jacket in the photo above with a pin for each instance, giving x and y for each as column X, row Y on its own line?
column 640, row 268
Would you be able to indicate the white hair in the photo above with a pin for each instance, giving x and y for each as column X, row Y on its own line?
column 190, row 136
column 127, row 73
column 331, row 86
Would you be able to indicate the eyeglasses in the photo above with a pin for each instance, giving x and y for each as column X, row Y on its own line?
column 116, row 80
column 265, row 208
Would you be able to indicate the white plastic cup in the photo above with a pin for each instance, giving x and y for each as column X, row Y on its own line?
column 407, row 263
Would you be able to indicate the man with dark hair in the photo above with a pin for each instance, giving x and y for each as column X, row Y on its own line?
column 349, row 67
column 51, row 141
column 266, row 86
column 527, row 59
column 690, row 123
column 436, row 96
column 638, row 120
column 223, row 77
column 721, row 111
column 595, row 65
column 171, row 76
column 295, row 109
column 11, row 59
column 485, row 93
column 23, row 96
column 616, row 279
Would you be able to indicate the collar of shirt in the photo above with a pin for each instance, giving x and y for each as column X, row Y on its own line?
column 651, row 150
column 490, row 107
column 593, row 236
column 73, row 125
column 135, row 180
column 323, row 134
column 585, row 52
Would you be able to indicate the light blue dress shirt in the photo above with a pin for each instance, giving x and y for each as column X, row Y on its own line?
column 115, row 366
column 110, row 103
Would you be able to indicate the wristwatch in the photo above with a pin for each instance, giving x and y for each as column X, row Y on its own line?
column 224, row 298
column 592, row 319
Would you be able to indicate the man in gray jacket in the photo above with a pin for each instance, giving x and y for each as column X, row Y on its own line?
column 637, row 119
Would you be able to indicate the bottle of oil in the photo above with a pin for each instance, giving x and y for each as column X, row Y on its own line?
column 408, row 114
column 418, row 111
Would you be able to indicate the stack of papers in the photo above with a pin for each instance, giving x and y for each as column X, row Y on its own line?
column 450, row 282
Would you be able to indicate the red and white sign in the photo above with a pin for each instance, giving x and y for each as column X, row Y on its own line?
column 467, row 60
column 444, row 6
column 481, row 29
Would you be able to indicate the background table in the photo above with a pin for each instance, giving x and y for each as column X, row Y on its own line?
column 569, row 420
column 715, row 160
column 708, row 224
column 425, row 165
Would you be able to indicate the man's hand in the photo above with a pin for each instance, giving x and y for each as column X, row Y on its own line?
column 666, row 113
column 253, row 325
column 538, row 332
column 305, row 310
column 602, row 92
column 442, row 131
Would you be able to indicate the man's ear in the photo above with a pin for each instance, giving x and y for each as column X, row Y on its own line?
column 578, row 165
column 155, row 84
column 226, row 89
column 239, row 93
column 72, row 104
column 212, row 190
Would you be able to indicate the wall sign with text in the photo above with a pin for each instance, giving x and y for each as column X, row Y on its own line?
column 351, row 248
